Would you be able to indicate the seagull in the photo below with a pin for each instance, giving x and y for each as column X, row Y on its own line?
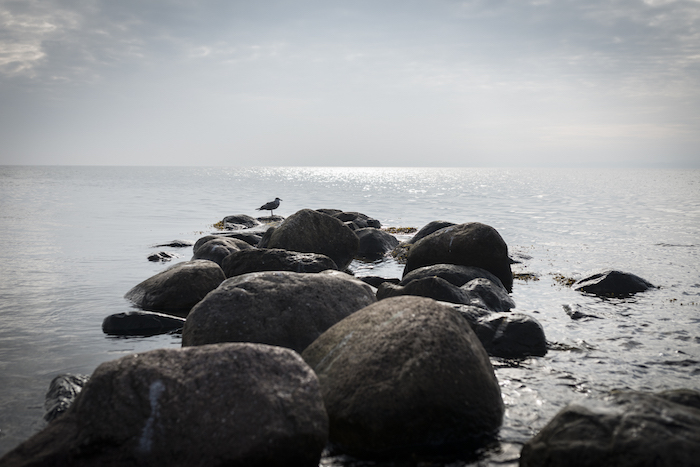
column 271, row 206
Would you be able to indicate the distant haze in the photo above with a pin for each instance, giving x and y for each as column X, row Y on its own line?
column 350, row 83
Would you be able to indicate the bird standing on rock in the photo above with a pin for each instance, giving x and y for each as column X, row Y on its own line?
column 271, row 206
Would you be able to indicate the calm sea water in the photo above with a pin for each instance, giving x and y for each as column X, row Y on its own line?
column 75, row 239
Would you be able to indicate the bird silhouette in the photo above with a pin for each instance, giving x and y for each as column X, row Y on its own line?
column 271, row 206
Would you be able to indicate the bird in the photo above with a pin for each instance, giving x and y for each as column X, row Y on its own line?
column 271, row 206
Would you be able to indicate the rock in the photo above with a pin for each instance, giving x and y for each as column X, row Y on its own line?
column 329, row 212
column 219, row 248
column 360, row 220
column 429, row 228
column 310, row 231
column 575, row 312
column 406, row 376
column 628, row 429
column 161, row 256
column 472, row 244
column 374, row 243
column 288, row 309
column 240, row 221
column 478, row 292
column 177, row 289
column 175, row 244
column 274, row 219
column 453, row 273
column 376, row 281
column 62, row 392
column 255, row 260
column 484, row 293
column 251, row 239
column 431, row 287
column 612, row 283
column 511, row 335
column 229, row 404
column 140, row 323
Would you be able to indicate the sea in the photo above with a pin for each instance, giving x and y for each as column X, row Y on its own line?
column 74, row 240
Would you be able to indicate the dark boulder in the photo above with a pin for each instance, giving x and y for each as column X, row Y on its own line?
column 62, row 393
column 362, row 221
column 177, row 289
column 628, row 429
column 278, row 308
column 376, row 281
column 219, row 248
column 454, row 273
column 429, row 228
column 256, row 260
column 310, row 231
column 141, row 323
column 477, row 292
column 472, row 244
column 329, row 212
column 612, row 283
column 511, row 335
column 239, row 222
column 403, row 376
column 374, row 243
column 229, row 404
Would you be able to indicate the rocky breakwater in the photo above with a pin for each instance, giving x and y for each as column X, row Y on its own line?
column 226, row 404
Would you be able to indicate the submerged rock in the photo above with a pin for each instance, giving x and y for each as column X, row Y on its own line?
column 472, row 244
column 175, row 244
column 282, row 308
column 62, row 393
column 612, row 283
column 310, row 231
column 177, row 289
column 628, row 429
column 140, row 323
column 162, row 256
column 256, row 260
column 228, row 404
column 405, row 376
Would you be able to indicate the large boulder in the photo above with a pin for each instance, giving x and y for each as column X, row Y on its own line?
column 219, row 248
column 406, row 376
column 429, row 228
column 477, row 292
column 177, row 289
column 511, row 335
column 229, row 404
column 141, row 323
column 471, row 244
column 612, row 283
column 278, row 308
column 628, row 429
column 256, row 260
column 454, row 273
column 374, row 243
column 309, row 231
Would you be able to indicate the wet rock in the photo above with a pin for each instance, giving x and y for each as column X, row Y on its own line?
column 310, row 231
column 477, row 292
column 278, row 308
column 453, row 273
column 511, row 335
column 175, row 244
column 628, row 429
column 274, row 219
column 406, row 375
column 62, row 392
column 612, row 283
column 472, row 244
column 229, row 404
column 256, row 260
column 576, row 312
column 141, row 323
column 177, row 289
column 161, row 256
column 250, row 238
column 219, row 248
column 374, row 243
column 240, row 221
column 329, row 212
column 362, row 221
column 429, row 228
column 376, row 281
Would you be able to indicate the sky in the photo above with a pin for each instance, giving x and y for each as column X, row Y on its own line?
column 477, row 83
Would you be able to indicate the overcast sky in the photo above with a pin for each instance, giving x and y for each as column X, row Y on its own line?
column 350, row 83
